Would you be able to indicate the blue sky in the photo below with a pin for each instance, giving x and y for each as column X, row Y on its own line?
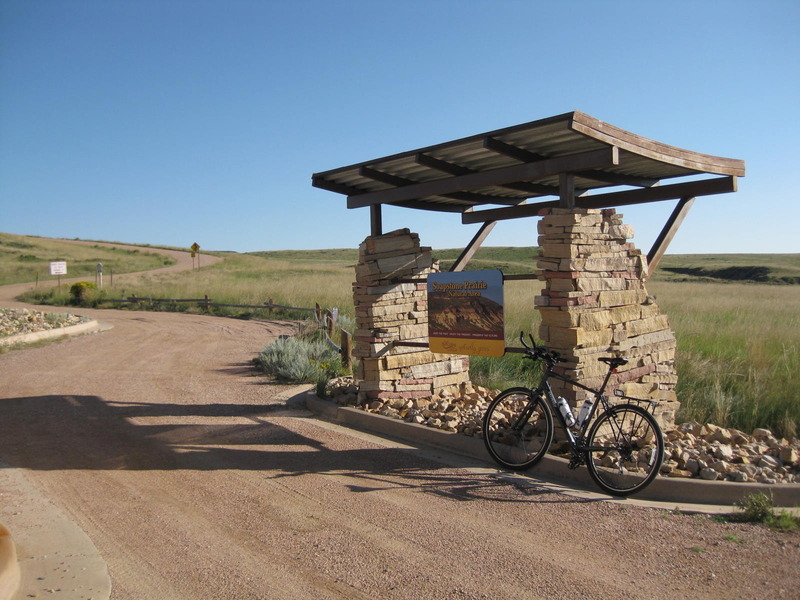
column 174, row 122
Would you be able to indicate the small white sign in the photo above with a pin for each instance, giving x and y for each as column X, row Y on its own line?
column 58, row 268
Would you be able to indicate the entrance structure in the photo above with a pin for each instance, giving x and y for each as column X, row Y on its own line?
column 572, row 170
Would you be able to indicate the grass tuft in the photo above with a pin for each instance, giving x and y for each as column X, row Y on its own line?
column 759, row 508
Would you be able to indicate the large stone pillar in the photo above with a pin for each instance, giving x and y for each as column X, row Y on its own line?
column 595, row 304
column 386, row 311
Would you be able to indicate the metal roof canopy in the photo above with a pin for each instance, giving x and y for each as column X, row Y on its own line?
column 517, row 171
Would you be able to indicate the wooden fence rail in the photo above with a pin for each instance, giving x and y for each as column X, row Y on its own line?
column 207, row 302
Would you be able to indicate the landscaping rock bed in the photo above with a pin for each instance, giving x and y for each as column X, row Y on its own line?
column 15, row 321
column 693, row 450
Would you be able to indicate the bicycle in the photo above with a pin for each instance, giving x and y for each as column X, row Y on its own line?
column 622, row 447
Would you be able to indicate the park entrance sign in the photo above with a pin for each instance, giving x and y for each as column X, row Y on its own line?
column 571, row 172
column 465, row 313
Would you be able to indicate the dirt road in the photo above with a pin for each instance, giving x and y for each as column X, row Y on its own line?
column 197, row 479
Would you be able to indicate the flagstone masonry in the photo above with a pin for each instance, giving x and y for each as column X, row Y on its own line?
column 389, row 310
column 595, row 303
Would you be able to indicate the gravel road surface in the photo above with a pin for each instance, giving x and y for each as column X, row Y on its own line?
column 198, row 479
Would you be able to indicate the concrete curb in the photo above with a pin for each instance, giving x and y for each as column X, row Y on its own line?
column 552, row 468
column 51, row 553
column 88, row 326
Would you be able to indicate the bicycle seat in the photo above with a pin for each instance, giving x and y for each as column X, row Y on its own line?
column 613, row 361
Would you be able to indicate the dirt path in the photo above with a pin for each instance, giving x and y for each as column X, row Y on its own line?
column 198, row 480
column 183, row 262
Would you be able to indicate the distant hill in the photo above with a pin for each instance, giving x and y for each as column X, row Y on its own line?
column 22, row 256
column 756, row 268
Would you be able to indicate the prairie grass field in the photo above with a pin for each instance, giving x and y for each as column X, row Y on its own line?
column 738, row 340
column 24, row 258
column 738, row 354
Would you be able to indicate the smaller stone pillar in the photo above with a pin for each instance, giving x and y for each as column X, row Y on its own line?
column 388, row 311
column 595, row 304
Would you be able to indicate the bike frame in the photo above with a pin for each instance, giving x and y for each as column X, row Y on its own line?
column 545, row 389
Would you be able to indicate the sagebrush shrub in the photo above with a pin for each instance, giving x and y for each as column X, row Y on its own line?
column 298, row 360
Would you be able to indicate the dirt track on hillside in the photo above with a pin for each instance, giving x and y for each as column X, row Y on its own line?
column 197, row 479
column 183, row 262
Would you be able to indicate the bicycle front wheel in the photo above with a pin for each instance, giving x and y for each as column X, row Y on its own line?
column 625, row 449
column 517, row 429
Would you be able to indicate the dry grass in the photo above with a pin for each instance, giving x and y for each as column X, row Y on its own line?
column 246, row 279
column 738, row 343
column 738, row 352
column 27, row 258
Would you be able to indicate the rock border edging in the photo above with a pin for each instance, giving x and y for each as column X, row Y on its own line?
column 665, row 489
column 49, row 334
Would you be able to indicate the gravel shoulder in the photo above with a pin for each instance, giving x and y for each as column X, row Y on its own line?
column 195, row 478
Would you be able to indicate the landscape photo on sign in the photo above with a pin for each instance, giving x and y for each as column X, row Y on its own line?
column 465, row 313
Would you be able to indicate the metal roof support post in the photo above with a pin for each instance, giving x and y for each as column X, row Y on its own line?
column 473, row 246
column 566, row 190
column 670, row 229
column 375, row 220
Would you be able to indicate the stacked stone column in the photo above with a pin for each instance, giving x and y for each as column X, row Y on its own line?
column 595, row 304
column 388, row 310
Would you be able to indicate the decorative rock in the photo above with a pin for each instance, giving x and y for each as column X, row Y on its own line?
column 789, row 456
column 769, row 461
column 721, row 467
column 18, row 321
column 680, row 473
column 723, row 452
column 686, row 455
column 761, row 434
column 708, row 474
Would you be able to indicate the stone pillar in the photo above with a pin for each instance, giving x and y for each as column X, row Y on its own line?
column 595, row 304
column 387, row 311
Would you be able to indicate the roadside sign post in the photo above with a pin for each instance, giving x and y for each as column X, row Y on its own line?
column 195, row 248
column 58, row 268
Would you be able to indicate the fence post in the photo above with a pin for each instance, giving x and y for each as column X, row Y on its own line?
column 318, row 312
column 347, row 349
column 329, row 323
column 207, row 302
column 269, row 302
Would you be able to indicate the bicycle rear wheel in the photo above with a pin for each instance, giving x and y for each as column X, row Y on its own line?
column 517, row 429
column 625, row 450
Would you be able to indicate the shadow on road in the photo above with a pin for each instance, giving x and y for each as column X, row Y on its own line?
column 87, row 433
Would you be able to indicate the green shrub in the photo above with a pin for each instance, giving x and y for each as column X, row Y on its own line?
column 754, row 508
column 300, row 360
column 759, row 508
column 78, row 290
column 85, row 293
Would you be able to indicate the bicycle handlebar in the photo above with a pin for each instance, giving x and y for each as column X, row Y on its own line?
column 539, row 352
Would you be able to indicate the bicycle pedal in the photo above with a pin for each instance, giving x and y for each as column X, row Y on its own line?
column 576, row 462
